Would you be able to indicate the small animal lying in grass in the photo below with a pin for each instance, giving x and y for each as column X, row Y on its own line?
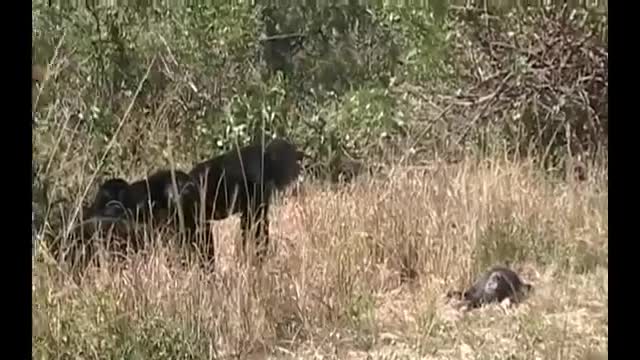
column 495, row 285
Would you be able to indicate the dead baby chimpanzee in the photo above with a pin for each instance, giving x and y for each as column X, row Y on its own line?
column 495, row 285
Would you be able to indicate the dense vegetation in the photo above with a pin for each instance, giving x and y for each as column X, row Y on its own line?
column 346, row 82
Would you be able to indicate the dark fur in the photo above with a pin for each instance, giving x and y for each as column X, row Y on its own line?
column 495, row 285
column 248, row 173
column 112, row 199
column 243, row 180
column 152, row 199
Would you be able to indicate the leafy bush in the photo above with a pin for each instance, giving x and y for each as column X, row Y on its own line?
column 346, row 82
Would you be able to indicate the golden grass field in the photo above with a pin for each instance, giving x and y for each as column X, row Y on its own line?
column 358, row 272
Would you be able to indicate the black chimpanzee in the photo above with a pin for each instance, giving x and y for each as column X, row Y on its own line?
column 243, row 180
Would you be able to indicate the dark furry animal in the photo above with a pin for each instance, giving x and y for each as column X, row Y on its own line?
column 243, row 180
column 112, row 199
column 495, row 285
column 153, row 199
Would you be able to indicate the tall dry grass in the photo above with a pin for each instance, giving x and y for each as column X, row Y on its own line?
column 358, row 270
